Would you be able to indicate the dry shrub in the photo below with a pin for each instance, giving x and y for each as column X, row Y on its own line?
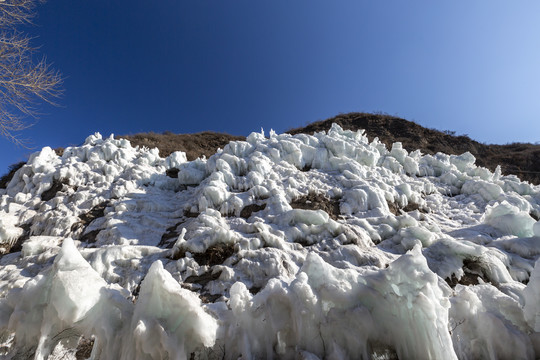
column 317, row 201
column 194, row 145
column 472, row 271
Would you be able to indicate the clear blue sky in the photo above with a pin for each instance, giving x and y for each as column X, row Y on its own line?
column 239, row 65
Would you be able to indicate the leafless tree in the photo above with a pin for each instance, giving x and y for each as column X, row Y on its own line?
column 24, row 82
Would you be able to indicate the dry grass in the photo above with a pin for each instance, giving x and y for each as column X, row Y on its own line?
column 214, row 255
column 84, row 349
column 472, row 270
column 86, row 218
column 4, row 180
column 194, row 145
column 57, row 185
column 250, row 209
column 317, row 201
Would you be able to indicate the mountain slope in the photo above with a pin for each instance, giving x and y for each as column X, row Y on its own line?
column 288, row 246
column 519, row 158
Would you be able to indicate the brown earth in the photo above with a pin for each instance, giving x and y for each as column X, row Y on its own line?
column 194, row 145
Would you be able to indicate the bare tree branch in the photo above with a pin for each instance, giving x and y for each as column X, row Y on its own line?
column 24, row 82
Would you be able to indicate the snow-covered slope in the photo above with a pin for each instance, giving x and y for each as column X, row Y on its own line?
column 293, row 247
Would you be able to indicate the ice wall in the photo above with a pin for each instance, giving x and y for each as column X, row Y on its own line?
column 306, row 246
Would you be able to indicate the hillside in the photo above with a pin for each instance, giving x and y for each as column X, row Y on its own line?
column 521, row 159
column 281, row 246
column 194, row 145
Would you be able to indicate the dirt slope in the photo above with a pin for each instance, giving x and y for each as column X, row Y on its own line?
column 194, row 145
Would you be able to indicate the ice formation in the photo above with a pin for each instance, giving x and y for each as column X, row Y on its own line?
column 296, row 247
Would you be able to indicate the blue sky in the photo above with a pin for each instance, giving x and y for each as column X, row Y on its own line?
column 239, row 65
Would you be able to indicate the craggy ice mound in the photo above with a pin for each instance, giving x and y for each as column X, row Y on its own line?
column 291, row 247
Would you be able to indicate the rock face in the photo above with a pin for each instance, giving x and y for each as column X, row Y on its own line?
column 330, row 245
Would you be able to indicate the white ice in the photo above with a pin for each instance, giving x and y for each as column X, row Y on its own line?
column 396, row 255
